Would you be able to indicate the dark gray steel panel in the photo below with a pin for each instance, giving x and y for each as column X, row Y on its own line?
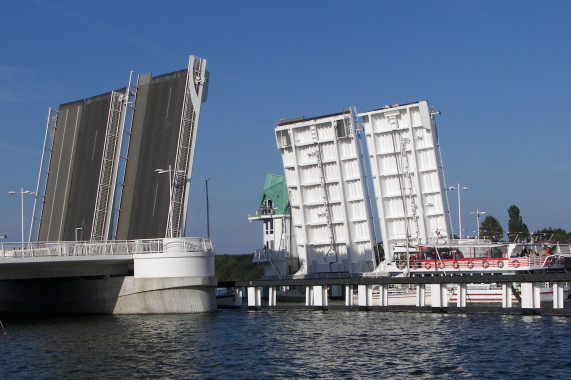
column 80, row 204
column 143, row 87
column 159, row 130
column 59, row 177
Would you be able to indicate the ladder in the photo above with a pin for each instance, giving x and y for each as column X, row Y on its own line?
column 331, row 254
column 107, row 173
column 195, row 79
column 131, row 97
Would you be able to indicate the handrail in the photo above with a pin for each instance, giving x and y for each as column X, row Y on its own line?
column 103, row 248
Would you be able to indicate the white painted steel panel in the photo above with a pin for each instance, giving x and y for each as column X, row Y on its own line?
column 327, row 198
column 405, row 174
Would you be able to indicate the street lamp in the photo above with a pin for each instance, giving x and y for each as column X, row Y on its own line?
column 170, row 170
column 478, row 213
column 459, row 212
column 22, row 192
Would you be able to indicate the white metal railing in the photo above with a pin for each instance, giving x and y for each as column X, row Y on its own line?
column 102, row 248
column 273, row 257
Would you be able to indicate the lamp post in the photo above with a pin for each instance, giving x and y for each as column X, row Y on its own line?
column 478, row 213
column 169, row 170
column 459, row 211
column 22, row 192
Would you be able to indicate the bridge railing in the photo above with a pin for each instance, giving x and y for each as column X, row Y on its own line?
column 101, row 248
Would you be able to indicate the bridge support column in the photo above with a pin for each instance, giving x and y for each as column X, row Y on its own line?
column 254, row 296
column 349, row 295
column 530, row 296
column 316, row 295
column 308, row 296
column 420, row 295
column 365, row 295
column 238, row 296
column 558, row 295
column 461, row 295
column 439, row 296
column 319, row 295
column 272, row 296
column 383, row 295
column 506, row 296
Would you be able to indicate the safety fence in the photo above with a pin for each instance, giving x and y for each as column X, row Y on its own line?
column 101, row 248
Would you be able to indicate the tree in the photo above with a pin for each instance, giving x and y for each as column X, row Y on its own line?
column 553, row 235
column 491, row 229
column 237, row 267
column 516, row 227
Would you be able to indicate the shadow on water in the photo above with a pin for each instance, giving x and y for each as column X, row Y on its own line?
column 286, row 344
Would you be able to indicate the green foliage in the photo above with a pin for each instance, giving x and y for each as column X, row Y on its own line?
column 516, row 227
column 491, row 229
column 553, row 235
column 237, row 268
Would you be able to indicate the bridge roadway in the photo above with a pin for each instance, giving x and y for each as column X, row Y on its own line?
column 23, row 268
column 72, row 259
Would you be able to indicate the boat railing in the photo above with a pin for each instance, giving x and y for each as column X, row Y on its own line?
column 486, row 263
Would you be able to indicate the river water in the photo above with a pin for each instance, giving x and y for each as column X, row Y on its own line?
column 240, row 344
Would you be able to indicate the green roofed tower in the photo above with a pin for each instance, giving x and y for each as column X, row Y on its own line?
column 278, row 238
column 274, row 198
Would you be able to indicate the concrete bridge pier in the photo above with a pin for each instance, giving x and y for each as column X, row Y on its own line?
column 272, row 295
column 530, row 296
column 349, row 295
column 420, row 295
column 383, row 295
column 439, row 296
column 461, row 295
column 255, row 296
column 506, row 296
column 558, row 298
column 316, row 295
column 238, row 296
column 365, row 295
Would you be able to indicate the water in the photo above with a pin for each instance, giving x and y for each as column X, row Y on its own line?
column 288, row 344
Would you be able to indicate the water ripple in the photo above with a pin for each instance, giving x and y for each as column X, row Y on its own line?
column 299, row 344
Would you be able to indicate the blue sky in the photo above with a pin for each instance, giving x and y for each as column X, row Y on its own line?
column 498, row 71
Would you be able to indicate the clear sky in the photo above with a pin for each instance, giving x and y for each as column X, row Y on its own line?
column 498, row 70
